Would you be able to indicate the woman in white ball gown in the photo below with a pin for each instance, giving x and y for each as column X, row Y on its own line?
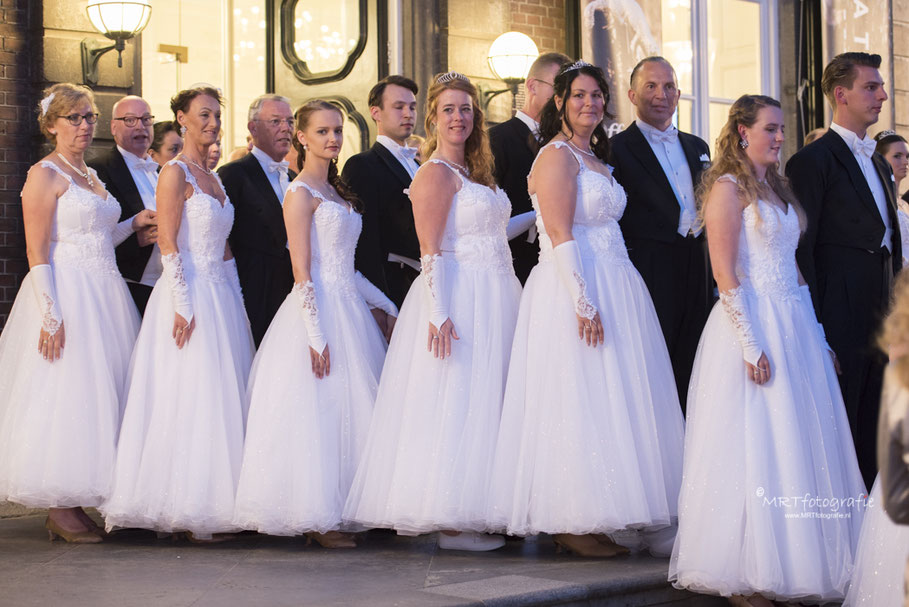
column 429, row 453
column 306, row 431
column 181, row 442
column 772, row 498
column 60, row 403
column 591, row 437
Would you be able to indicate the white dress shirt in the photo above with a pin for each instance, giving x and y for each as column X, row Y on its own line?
column 863, row 149
column 668, row 150
column 404, row 154
column 532, row 124
column 144, row 172
column 275, row 171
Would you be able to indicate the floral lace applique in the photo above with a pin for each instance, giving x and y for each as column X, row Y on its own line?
column 584, row 307
column 50, row 320
column 736, row 308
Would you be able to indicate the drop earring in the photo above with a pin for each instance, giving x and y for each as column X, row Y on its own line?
column 743, row 143
column 183, row 131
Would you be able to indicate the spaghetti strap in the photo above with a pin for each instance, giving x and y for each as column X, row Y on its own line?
column 58, row 170
column 296, row 185
column 558, row 145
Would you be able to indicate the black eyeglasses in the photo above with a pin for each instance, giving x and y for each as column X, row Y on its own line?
column 130, row 121
column 277, row 122
column 76, row 119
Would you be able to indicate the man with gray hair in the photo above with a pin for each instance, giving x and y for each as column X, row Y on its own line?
column 256, row 185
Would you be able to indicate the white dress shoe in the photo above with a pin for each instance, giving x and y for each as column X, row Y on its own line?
column 470, row 540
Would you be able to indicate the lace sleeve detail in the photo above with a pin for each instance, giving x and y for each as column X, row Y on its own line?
column 571, row 270
column 306, row 296
column 735, row 305
column 433, row 272
column 172, row 270
column 44, row 288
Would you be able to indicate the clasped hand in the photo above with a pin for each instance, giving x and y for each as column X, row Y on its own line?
column 145, row 225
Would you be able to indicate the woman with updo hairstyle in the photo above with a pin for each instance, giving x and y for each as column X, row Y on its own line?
column 427, row 460
column 590, row 443
column 65, row 350
column 892, row 146
column 772, row 498
column 307, row 430
column 181, row 442
column 166, row 143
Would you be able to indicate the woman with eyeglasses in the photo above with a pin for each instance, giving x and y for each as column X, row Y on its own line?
column 66, row 347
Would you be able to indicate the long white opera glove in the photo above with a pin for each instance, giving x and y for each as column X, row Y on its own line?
column 172, row 267
column 374, row 297
column 122, row 230
column 519, row 224
column 736, row 307
column 805, row 292
column 571, row 271
column 42, row 278
column 230, row 269
column 306, row 294
column 436, row 289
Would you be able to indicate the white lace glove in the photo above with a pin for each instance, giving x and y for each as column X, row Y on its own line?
column 122, row 231
column 230, row 269
column 172, row 270
column 571, row 271
column 437, row 294
column 805, row 293
column 736, row 308
column 42, row 278
column 374, row 297
column 306, row 293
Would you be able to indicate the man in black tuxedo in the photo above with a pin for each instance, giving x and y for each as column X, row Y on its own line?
column 130, row 175
column 388, row 251
column 513, row 149
column 851, row 248
column 660, row 168
column 256, row 184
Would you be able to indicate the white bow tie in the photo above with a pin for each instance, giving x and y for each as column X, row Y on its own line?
column 145, row 164
column 670, row 135
column 278, row 167
column 865, row 147
column 408, row 152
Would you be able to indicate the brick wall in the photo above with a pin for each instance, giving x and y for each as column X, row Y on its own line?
column 542, row 20
column 900, row 71
column 17, row 131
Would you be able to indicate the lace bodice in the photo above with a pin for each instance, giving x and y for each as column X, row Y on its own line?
column 600, row 204
column 334, row 234
column 83, row 224
column 203, row 233
column 766, row 257
column 476, row 224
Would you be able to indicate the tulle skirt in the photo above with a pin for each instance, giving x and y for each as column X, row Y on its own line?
column 181, row 442
column 880, row 561
column 429, row 453
column 305, row 435
column 59, row 420
column 772, row 499
column 591, row 438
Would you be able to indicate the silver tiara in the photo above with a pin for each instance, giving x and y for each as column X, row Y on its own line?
column 449, row 76
column 887, row 133
column 576, row 66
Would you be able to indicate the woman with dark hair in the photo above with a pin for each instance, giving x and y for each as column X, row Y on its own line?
column 428, row 456
column 306, row 430
column 166, row 143
column 181, row 442
column 893, row 148
column 591, row 436
column 772, row 498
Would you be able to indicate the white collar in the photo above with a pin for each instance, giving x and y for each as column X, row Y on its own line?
column 392, row 145
column 649, row 130
column 131, row 158
column 264, row 159
column 532, row 124
column 850, row 137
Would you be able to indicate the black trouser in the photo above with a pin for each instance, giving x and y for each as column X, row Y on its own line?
column 677, row 276
column 140, row 294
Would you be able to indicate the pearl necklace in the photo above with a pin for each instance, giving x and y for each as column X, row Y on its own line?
column 460, row 167
column 85, row 175
column 196, row 164
column 591, row 154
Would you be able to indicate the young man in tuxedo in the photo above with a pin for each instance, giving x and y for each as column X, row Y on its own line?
column 660, row 168
column 851, row 248
column 388, row 251
column 514, row 149
column 130, row 175
column 256, row 184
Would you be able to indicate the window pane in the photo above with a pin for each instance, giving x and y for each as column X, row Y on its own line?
column 719, row 114
column 676, row 26
column 325, row 33
column 683, row 115
column 248, row 64
column 734, row 49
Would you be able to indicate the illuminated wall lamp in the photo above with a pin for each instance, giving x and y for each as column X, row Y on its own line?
column 510, row 56
column 119, row 20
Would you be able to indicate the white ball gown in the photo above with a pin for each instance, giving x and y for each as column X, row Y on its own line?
column 429, row 453
column 59, row 420
column 305, row 435
column 772, row 498
column 590, row 439
column 181, row 442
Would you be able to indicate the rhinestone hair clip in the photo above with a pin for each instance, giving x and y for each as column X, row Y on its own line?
column 449, row 76
column 576, row 66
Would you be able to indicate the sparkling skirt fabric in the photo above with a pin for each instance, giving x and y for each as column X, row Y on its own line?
column 181, row 442
column 305, row 436
column 429, row 453
column 590, row 439
column 772, row 499
column 880, row 562
column 59, row 420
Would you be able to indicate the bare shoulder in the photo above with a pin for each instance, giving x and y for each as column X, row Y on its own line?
column 434, row 179
column 724, row 194
column 299, row 199
column 42, row 178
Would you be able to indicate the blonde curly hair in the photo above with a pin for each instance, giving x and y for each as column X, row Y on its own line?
column 63, row 96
